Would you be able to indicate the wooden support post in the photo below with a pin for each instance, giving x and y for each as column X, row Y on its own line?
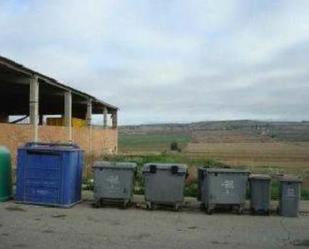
column 34, row 106
column 105, row 117
column 68, row 115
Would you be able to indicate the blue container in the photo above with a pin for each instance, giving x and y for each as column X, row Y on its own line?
column 49, row 174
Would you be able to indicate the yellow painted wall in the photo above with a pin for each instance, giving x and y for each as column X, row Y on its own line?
column 76, row 122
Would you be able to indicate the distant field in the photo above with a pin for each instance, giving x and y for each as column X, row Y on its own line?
column 268, row 157
column 255, row 152
column 150, row 142
column 259, row 157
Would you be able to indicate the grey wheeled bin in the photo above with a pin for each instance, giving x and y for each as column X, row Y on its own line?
column 260, row 192
column 223, row 187
column 290, row 188
column 113, row 183
column 164, row 184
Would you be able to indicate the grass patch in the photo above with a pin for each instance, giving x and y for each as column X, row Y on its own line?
column 305, row 194
column 151, row 142
column 275, row 190
column 191, row 190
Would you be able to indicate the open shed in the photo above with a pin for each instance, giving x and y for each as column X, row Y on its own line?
column 30, row 97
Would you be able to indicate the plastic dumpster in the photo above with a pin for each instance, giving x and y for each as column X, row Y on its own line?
column 290, row 188
column 223, row 187
column 113, row 182
column 164, row 184
column 49, row 174
column 260, row 192
column 5, row 174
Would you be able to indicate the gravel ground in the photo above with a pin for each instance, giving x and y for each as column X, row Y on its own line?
column 24, row 226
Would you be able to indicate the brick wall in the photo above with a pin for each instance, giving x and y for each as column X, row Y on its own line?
column 94, row 142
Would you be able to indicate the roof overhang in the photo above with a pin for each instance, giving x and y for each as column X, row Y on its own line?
column 14, row 93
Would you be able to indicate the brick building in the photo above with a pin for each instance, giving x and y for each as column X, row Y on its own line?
column 29, row 102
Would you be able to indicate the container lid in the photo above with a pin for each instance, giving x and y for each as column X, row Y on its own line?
column 50, row 146
column 112, row 164
column 4, row 150
column 182, row 168
column 290, row 178
column 259, row 177
column 225, row 170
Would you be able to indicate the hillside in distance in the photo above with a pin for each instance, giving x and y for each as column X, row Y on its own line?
column 227, row 131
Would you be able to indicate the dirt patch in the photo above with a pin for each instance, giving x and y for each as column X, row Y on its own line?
column 48, row 231
column 15, row 208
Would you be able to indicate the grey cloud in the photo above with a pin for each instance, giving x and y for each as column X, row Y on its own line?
column 170, row 62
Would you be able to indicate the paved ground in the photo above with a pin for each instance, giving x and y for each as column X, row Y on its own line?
column 23, row 226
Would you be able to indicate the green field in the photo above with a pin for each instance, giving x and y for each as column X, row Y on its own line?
column 150, row 142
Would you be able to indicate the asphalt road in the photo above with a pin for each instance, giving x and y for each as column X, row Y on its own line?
column 24, row 226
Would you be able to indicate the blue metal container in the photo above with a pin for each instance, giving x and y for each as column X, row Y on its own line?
column 49, row 174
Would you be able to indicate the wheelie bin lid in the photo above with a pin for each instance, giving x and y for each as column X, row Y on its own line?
column 113, row 165
column 227, row 170
column 290, row 178
column 259, row 177
column 181, row 168
column 39, row 146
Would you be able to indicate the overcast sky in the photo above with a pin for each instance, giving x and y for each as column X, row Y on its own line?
column 170, row 60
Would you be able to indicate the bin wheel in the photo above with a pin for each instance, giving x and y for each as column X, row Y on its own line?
column 97, row 204
column 177, row 207
column 209, row 210
column 202, row 206
column 149, row 206
column 240, row 210
column 125, row 204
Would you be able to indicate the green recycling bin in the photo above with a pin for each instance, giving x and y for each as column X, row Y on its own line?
column 5, row 174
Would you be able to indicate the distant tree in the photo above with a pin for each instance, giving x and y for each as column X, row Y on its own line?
column 174, row 147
